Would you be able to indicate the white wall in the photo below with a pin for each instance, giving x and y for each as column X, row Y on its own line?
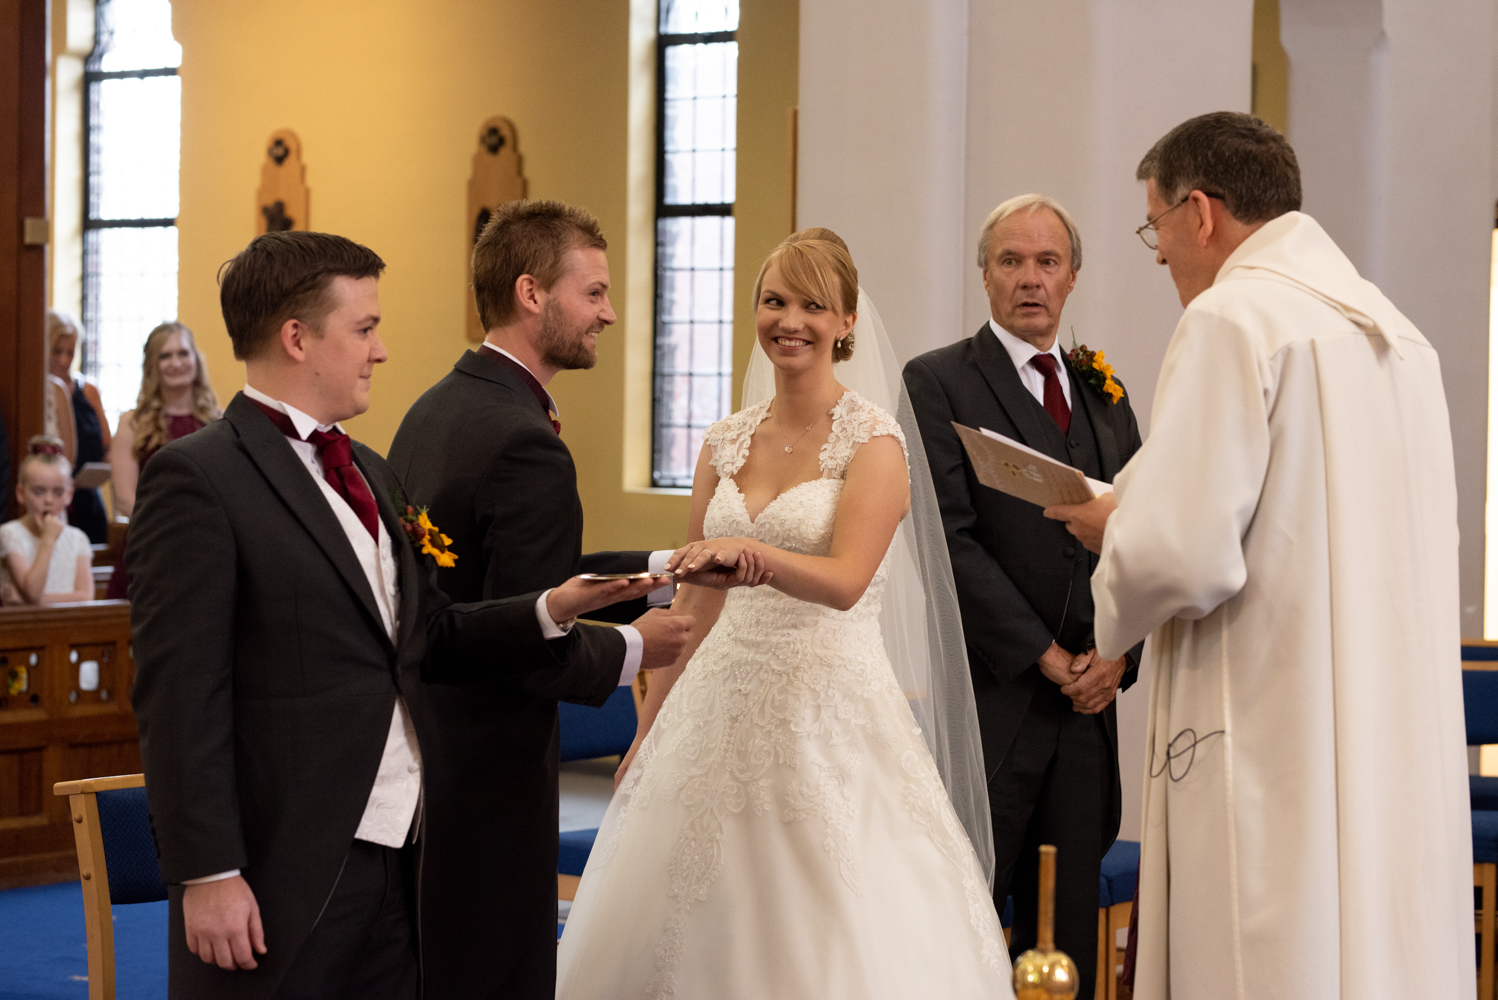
column 917, row 118
column 1391, row 116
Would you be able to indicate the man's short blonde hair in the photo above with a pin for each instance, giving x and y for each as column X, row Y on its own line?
column 1029, row 203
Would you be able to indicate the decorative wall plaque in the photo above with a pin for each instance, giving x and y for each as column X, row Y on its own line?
column 281, row 202
column 496, row 177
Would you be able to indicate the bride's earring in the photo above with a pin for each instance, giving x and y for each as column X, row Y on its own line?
column 840, row 343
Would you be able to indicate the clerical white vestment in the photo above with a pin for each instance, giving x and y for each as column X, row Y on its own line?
column 1288, row 534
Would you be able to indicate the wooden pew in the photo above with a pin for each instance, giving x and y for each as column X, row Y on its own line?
column 52, row 729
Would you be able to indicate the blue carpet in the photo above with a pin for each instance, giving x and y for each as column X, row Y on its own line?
column 46, row 955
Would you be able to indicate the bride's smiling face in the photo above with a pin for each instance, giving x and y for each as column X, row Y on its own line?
column 798, row 333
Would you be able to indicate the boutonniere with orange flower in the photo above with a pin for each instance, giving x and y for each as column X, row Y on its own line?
column 1094, row 370
column 425, row 535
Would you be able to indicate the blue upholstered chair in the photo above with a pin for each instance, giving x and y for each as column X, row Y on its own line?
column 588, row 733
column 116, row 862
column 1480, row 704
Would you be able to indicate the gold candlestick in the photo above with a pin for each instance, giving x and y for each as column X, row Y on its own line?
column 1043, row 973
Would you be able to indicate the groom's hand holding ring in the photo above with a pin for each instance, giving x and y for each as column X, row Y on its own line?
column 666, row 634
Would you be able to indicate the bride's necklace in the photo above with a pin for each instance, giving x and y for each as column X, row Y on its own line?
column 792, row 446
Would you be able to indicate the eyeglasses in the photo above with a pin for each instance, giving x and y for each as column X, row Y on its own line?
column 1147, row 231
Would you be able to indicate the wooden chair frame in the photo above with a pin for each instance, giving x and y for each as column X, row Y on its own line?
column 93, row 871
column 1485, row 877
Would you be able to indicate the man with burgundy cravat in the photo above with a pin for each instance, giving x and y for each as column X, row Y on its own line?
column 285, row 634
column 484, row 448
column 1045, row 701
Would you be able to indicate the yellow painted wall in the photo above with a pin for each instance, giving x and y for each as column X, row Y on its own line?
column 387, row 97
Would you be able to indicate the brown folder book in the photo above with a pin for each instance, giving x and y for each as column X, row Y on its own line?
column 1010, row 467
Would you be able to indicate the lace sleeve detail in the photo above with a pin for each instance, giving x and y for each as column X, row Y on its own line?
column 854, row 421
column 729, row 438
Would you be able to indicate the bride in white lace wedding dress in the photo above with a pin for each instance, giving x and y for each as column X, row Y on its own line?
column 781, row 829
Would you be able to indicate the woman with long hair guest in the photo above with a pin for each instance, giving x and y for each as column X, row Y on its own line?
column 175, row 400
column 90, row 426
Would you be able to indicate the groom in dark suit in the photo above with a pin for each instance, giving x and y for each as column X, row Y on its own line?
column 1045, row 700
column 283, row 628
column 483, row 448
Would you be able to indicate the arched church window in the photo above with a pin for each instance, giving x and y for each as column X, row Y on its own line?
column 133, row 131
column 696, row 145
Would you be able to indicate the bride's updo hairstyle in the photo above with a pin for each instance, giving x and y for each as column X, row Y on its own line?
column 816, row 265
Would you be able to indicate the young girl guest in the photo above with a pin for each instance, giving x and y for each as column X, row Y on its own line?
column 43, row 559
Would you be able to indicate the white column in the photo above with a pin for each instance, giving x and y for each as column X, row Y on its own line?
column 882, row 93
column 1391, row 115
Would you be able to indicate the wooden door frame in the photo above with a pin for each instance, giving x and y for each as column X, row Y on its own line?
column 25, row 53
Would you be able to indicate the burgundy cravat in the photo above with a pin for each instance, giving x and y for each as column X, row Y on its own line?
column 1055, row 399
column 336, row 452
column 533, row 385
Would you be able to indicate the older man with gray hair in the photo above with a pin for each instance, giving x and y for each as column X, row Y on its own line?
column 1044, row 695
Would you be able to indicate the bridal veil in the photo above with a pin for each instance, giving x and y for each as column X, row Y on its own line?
column 921, row 623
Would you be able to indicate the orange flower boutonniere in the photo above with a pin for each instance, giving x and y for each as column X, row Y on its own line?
column 425, row 534
column 1094, row 370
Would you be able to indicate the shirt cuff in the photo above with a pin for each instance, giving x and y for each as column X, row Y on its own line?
column 212, row 878
column 549, row 628
column 662, row 596
column 634, row 652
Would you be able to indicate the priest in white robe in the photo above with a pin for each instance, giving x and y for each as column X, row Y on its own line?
column 1287, row 536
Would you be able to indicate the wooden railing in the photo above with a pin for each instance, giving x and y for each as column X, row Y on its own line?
column 65, row 676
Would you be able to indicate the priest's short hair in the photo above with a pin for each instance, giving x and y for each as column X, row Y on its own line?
column 1030, row 203
column 1228, row 153
column 526, row 237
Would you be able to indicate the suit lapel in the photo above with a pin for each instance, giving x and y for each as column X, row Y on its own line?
column 1102, row 424
column 407, row 562
column 998, row 371
column 272, row 454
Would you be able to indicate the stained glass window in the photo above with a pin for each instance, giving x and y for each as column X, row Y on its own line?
column 133, row 124
column 696, row 145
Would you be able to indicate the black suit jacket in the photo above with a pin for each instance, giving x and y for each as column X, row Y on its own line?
column 479, row 452
column 265, row 679
column 1016, row 571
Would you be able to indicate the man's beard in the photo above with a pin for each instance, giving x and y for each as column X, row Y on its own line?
column 561, row 348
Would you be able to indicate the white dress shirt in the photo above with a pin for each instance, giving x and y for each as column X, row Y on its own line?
column 634, row 643
column 396, row 795
column 1021, row 351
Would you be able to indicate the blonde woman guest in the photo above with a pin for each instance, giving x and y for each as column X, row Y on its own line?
column 90, row 426
column 44, row 560
column 175, row 400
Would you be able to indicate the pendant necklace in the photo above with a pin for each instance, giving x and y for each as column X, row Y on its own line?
column 790, row 447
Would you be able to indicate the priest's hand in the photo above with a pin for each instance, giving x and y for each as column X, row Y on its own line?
column 1086, row 520
column 223, row 923
column 1098, row 685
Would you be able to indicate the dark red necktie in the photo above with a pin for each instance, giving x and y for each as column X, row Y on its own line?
column 1055, row 399
column 533, row 385
column 336, row 452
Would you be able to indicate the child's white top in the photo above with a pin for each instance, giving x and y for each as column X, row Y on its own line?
column 62, row 574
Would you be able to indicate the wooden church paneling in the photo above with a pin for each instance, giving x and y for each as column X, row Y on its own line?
column 497, row 176
column 281, row 202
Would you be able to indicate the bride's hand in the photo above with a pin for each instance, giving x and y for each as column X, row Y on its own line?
column 720, row 563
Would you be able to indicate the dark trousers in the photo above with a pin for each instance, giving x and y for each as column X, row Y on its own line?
column 1052, row 788
column 363, row 947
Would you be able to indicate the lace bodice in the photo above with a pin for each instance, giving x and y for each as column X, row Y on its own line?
column 785, row 702
column 801, row 518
